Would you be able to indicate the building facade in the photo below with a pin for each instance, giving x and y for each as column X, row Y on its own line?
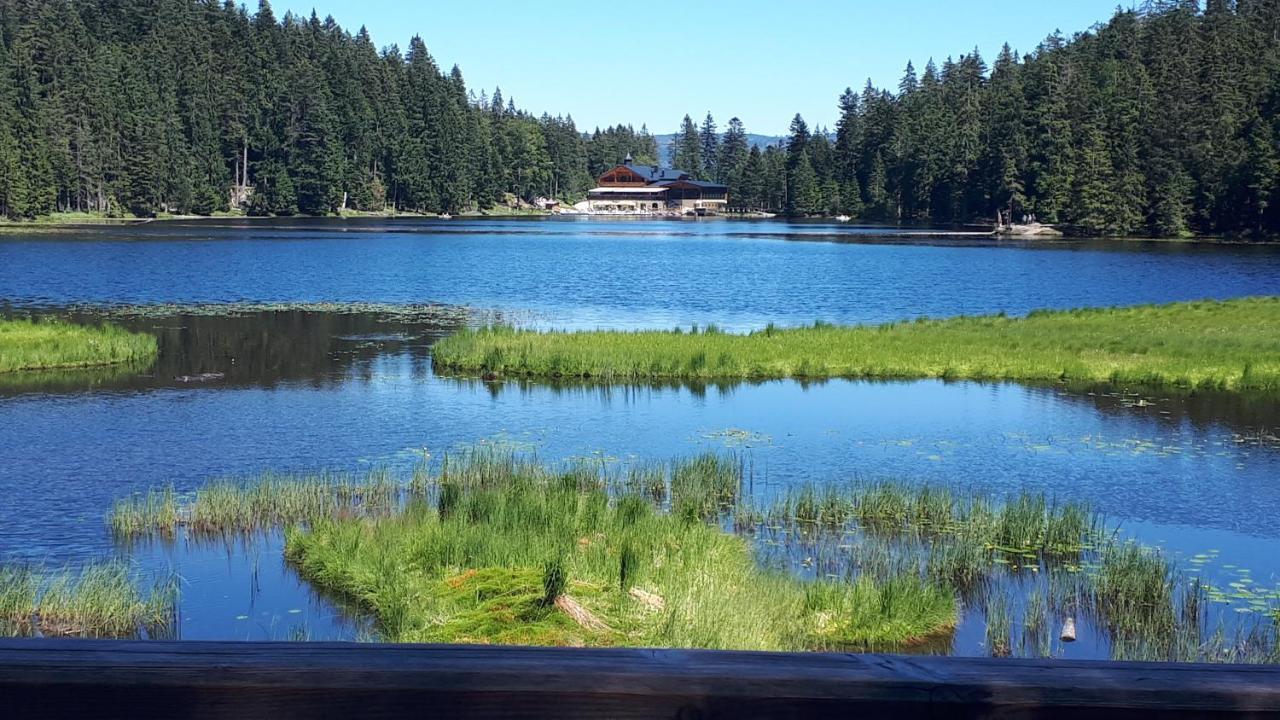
column 647, row 190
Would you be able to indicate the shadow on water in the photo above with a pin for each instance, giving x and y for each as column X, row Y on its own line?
column 1254, row 417
column 257, row 348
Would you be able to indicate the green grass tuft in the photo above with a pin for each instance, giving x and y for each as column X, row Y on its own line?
column 100, row 601
column 54, row 344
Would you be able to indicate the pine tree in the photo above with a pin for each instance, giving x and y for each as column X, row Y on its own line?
column 710, row 153
column 803, row 192
column 846, row 158
column 733, row 156
column 686, row 151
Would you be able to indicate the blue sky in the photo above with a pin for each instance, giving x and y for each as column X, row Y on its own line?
column 652, row 62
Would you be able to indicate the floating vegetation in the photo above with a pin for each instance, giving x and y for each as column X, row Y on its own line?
column 427, row 313
column 737, row 437
column 48, row 344
column 99, row 601
column 1229, row 346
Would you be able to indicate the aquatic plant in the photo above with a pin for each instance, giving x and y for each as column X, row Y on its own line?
column 1230, row 345
column 868, row 616
column 544, row 556
column 49, row 344
column 97, row 600
column 271, row 500
column 492, row 545
column 1025, row 524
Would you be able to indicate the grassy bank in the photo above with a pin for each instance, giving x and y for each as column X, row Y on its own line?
column 1233, row 345
column 101, row 601
column 53, row 344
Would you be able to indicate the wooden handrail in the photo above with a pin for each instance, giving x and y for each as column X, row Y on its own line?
column 110, row 679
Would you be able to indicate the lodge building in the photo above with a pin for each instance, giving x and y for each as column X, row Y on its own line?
column 645, row 189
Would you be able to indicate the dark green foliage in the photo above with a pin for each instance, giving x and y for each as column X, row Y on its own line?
column 1164, row 121
column 554, row 581
column 628, row 564
column 198, row 106
column 686, row 151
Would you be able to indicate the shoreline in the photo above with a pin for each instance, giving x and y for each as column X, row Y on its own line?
column 53, row 223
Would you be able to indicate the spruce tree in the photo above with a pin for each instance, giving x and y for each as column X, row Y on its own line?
column 710, row 153
column 686, row 151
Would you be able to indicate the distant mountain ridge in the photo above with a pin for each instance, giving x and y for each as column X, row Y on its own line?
column 753, row 140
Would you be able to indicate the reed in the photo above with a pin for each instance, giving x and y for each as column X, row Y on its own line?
column 1232, row 345
column 271, row 500
column 49, row 344
column 1135, row 593
column 99, row 600
column 485, row 564
column 482, row 548
column 1025, row 524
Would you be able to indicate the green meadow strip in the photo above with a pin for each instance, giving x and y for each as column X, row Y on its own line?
column 1232, row 345
column 54, row 344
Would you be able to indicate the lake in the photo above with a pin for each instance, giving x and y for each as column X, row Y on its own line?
column 624, row 274
column 350, row 386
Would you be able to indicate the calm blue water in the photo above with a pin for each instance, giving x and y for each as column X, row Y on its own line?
column 659, row 273
column 311, row 390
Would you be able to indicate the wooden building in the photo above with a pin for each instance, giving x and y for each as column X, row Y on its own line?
column 648, row 190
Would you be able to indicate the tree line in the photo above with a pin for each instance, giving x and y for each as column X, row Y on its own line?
column 1164, row 120
column 198, row 106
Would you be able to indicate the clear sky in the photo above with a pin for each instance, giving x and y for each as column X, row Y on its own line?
column 651, row 62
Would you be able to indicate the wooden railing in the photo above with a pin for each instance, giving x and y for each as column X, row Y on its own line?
column 108, row 679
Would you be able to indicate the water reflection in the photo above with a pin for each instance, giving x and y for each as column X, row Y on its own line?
column 306, row 390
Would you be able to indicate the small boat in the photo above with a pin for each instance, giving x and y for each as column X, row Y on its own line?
column 843, row 218
column 446, row 216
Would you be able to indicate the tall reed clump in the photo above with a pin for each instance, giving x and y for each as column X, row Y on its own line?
column 100, row 601
column 1135, row 594
column 1026, row 553
column 54, row 344
column 1027, row 524
column 270, row 500
column 1232, row 345
column 510, row 551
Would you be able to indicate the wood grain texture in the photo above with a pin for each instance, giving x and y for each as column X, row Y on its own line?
column 68, row 678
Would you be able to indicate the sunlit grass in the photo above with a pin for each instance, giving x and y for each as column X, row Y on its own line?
column 472, row 567
column 494, row 546
column 101, row 600
column 53, row 344
column 270, row 500
column 1233, row 345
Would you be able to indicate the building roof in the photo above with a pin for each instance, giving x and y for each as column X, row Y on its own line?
column 655, row 174
column 651, row 189
column 700, row 184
